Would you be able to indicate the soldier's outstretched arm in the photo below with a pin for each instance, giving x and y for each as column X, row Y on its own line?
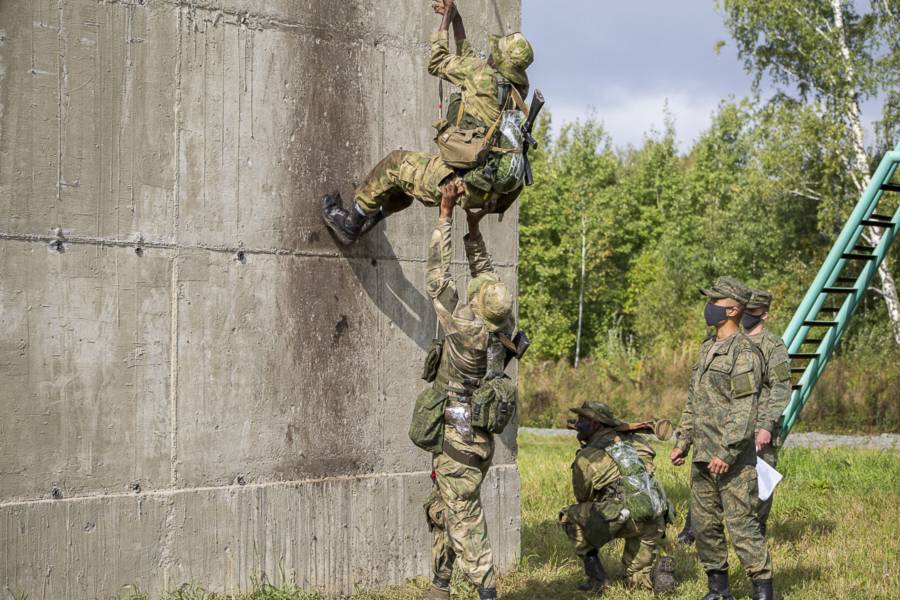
column 443, row 64
column 438, row 280
column 476, row 251
column 745, row 383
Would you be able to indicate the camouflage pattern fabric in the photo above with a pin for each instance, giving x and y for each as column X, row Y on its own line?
column 594, row 475
column 399, row 178
column 455, row 515
column 719, row 418
column 731, row 499
column 776, row 381
column 476, row 79
column 774, row 397
column 467, row 337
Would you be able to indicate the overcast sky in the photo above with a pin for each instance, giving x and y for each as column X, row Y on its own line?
column 626, row 59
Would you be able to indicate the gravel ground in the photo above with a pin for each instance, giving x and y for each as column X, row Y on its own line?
column 885, row 441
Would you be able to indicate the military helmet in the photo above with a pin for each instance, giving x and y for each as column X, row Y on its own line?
column 491, row 300
column 760, row 299
column 728, row 287
column 512, row 54
column 597, row 411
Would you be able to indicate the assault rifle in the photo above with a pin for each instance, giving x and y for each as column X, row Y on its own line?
column 515, row 346
column 537, row 103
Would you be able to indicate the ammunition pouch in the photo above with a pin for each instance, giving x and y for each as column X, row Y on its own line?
column 433, row 360
column 462, row 148
column 494, row 404
column 426, row 428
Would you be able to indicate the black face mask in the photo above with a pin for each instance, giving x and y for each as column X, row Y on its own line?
column 585, row 430
column 750, row 321
column 715, row 314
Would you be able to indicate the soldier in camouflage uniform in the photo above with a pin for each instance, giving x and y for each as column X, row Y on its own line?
column 471, row 354
column 403, row 176
column 776, row 389
column 601, row 479
column 719, row 421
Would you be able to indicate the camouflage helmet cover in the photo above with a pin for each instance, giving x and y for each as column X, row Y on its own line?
column 512, row 54
column 491, row 300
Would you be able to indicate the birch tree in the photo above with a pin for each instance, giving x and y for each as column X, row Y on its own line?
column 828, row 52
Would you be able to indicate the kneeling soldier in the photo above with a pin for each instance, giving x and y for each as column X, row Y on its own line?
column 618, row 497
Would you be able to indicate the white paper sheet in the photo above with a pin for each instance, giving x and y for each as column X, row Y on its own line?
column 767, row 478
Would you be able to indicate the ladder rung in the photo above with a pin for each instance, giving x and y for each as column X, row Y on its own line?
column 813, row 341
column 875, row 223
column 820, row 323
column 796, row 386
column 804, row 355
column 891, row 187
column 845, row 280
column 886, row 218
column 839, row 290
column 856, row 256
column 830, row 309
column 798, row 369
column 864, row 248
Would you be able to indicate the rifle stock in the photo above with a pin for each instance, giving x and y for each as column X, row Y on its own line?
column 537, row 103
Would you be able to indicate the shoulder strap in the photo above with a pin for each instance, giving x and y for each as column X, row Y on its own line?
column 518, row 100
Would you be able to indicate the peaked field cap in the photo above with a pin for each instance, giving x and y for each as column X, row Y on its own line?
column 760, row 299
column 728, row 287
column 597, row 411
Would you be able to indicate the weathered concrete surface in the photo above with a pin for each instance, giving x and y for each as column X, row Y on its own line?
column 174, row 411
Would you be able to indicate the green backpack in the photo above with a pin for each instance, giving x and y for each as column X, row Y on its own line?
column 642, row 494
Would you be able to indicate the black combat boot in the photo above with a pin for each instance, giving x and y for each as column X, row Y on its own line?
column 662, row 576
column 440, row 589
column 762, row 589
column 346, row 225
column 487, row 593
column 717, row 582
column 686, row 537
column 372, row 220
column 597, row 579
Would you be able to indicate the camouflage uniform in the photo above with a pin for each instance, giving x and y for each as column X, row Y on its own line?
column 402, row 175
column 594, row 480
column 719, row 421
column 454, row 508
column 776, row 391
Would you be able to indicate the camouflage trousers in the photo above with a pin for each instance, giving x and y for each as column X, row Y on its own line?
column 768, row 453
column 730, row 500
column 642, row 541
column 455, row 515
column 399, row 178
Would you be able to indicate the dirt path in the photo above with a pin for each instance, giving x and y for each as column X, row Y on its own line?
column 885, row 441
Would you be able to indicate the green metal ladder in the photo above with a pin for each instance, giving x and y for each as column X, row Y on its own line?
column 837, row 282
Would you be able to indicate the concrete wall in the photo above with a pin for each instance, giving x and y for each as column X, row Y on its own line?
column 173, row 411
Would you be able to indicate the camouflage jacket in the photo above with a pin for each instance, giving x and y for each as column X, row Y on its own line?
column 476, row 79
column 466, row 337
column 719, row 419
column 776, row 381
column 594, row 471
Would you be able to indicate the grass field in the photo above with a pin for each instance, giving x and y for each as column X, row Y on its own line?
column 835, row 532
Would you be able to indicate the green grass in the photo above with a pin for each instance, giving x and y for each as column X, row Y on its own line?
column 834, row 533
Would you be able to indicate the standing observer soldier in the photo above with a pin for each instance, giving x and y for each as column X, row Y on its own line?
column 776, row 388
column 487, row 87
column 445, row 421
column 719, row 421
column 618, row 497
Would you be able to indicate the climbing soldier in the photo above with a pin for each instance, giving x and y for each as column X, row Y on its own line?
column 471, row 399
column 719, row 421
column 776, row 388
column 482, row 141
column 618, row 497
column 774, row 397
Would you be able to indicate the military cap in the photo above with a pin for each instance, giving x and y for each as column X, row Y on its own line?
column 512, row 54
column 597, row 411
column 492, row 301
column 760, row 299
column 728, row 287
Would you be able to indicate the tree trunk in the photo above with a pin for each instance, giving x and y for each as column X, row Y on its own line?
column 860, row 167
column 581, row 291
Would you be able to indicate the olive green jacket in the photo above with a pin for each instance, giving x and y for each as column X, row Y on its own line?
column 719, row 419
column 776, row 381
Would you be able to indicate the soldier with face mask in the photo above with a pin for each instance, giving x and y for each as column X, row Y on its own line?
column 472, row 362
column 718, row 422
column 487, row 89
column 776, row 388
column 618, row 497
